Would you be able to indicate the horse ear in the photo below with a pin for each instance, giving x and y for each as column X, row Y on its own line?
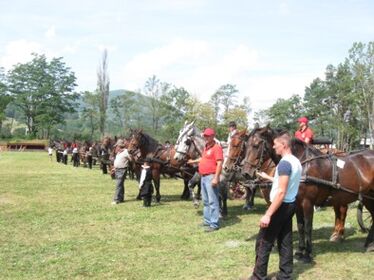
column 185, row 122
column 257, row 126
column 193, row 122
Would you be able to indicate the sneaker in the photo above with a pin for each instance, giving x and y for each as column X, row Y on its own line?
column 116, row 202
column 211, row 229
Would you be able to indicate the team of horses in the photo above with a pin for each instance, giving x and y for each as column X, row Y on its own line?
column 334, row 179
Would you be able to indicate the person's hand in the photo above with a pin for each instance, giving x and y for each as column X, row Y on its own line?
column 265, row 221
column 190, row 161
column 215, row 181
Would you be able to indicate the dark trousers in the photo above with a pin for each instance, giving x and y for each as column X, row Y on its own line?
column 280, row 229
column 104, row 168
column 89, row 161
column 75, row 159
column 65, row 159
column 119, row 194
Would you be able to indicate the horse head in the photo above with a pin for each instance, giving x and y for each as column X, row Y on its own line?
column 236, row 150
column 135, row 142
column 258, row 150
column 188, row 142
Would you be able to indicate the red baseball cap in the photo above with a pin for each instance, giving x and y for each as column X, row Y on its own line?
column 209, row 132
column 303, row 120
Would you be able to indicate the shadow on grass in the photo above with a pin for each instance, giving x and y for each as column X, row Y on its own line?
column 322, row 245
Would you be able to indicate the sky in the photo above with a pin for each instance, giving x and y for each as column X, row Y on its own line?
column 269, row 49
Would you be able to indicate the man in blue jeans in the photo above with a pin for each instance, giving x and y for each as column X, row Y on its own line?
column 276, row 224
column 210, row 167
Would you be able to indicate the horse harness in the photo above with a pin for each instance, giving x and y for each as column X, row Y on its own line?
column 334, row 183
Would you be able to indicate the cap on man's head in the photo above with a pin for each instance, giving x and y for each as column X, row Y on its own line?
column 148, row 160
column 120, row 143
column 209, row 132
column 303, row 120
column 232, row 124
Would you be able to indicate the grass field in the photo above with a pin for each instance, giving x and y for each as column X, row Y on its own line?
column 57, row 222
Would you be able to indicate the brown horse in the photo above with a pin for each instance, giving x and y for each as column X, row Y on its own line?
column 338, row 180
column 163, row 162
column 236, row 153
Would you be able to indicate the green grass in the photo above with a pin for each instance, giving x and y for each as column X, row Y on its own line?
column 56, row 222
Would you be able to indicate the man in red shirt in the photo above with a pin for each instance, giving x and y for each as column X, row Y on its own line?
column 210, row 167
column 304, row 133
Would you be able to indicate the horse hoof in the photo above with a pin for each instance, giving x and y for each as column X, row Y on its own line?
column 196, row 205
column 306, row 259
column 336, row 238
column 370, row 247
column 248, row 208
column 299, row 255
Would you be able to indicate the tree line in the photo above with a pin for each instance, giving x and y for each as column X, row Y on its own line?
column 340, row 106
column 41, row 95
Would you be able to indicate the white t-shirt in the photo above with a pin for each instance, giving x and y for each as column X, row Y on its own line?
column 122, row 159
column 290, row 166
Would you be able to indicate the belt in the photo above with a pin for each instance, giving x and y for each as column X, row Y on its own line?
column 203, row 175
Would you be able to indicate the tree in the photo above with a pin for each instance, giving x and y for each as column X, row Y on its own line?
column 123, row 108
column 285, row 111
column 103, row 90
column 43, row 91
column 154, row 89
column 90, row 110
column 361, row 58
column 227, row 95
column 223, row 100
column 5, row 99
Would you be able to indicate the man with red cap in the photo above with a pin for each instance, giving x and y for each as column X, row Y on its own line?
column 304, row 133
column 210, row 167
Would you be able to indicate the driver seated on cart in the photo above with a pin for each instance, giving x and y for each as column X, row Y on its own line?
column 304, row 133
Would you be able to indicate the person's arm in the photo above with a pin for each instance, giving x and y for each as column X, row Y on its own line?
column 265, row 176
column 193, row 161
column 276, row 203
column 215, row 180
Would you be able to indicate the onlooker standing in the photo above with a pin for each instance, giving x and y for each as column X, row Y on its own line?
column 145, row 184
column 75, row 157
column 50, row 152
column 89, row 157
column 276, row 224
column 65, row 156
column 232, row 131
column 120, row 165
column 210, row 167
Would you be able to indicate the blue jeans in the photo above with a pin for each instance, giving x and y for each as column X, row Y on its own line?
column 210, row 200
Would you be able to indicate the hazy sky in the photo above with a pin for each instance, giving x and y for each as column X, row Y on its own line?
column 269, row 49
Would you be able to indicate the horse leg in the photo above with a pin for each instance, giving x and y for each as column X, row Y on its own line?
column 248, row 198
column 308, row 220
column 198, row 194
column 340, row 215
column 369, row 242
column 299, row 254
column 223, row 198
column 156, row 180
column 186, row 192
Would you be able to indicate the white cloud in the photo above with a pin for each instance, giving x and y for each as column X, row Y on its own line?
column 51, row 32
column 19, row 51
column 196, row 65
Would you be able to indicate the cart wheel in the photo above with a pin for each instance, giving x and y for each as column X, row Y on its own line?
column 237, row 191
column 364, row 218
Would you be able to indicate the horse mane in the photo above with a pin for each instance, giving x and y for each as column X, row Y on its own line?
column 151, row 143
column 298, row 143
